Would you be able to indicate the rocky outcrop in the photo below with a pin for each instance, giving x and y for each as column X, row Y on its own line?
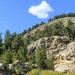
column 59, row 47
column 16, row 68
column 18, row 65
column 52, row 45
column 64, row 66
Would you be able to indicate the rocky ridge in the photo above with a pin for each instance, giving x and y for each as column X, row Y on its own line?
column 64, row 20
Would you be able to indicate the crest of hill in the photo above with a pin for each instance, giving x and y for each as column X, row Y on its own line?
column 64, row 20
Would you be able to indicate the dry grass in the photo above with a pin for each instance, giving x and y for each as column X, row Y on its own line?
column 49, row 72
column 44, row 72
column 72, row 72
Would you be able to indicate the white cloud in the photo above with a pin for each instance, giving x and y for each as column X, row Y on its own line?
column 41, row 11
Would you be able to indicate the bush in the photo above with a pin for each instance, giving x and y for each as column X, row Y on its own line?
column 18, row 68
column 5, row 65
column 13, row 68
column 1, row 58
column 48, row 72
column 30, row 65
column 44, row 72
column 33, row 72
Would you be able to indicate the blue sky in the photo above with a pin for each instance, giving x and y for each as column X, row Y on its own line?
column 18, row 15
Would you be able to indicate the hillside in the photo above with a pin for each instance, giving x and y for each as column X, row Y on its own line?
column 37, row 37
column 64, row 20
column 51, row 47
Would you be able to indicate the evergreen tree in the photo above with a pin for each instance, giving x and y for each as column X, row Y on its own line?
column 40, row 59
column 36, row 25
column 37, row 58
column 22, row 54
column 42, row 23
column 58, row 29
column 7, row 35
column 17, row 42
column 24, row 32
column 8, row 57
column 49, row 20
column 70, row 29
column 69, row 23
column 33, row 27
column 50, row 62
column 29, row 30
column 1, row 49
column 14, row 35
column 69, row 14
column 7, row 40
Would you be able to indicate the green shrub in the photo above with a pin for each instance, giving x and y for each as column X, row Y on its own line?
column 44, row 72
column 18, row 68
column 5, row 65
column 49, row 72
column 1, row 58
column 30, row 65
column 33, row 72
column 13, row 68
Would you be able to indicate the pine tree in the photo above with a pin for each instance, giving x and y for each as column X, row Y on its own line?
column 42, row 23
column 22, row 54
column 29, row 30
column 8, row 57
column 16, row 43
column 7, row 40
column 40, row 59
column 1, row 49
column 7, row 35
column 49, row 20
column 50, row 62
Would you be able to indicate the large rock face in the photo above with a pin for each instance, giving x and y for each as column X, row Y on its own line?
column 58, row 46
column 52, row 45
